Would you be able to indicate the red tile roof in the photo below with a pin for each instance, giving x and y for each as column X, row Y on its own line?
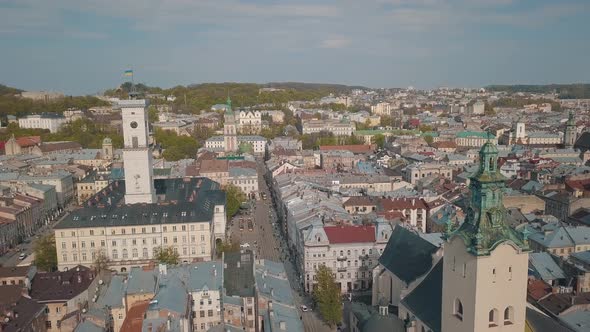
column 537, row 289
column 352, row 148
column 134, row 319
column 359, row 200
column 350, row 234
column 27, row 141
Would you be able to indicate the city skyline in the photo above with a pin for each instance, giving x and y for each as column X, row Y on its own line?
column 84, row 48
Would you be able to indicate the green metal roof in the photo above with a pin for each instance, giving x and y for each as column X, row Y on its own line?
column 481, row 134
column 485, row 224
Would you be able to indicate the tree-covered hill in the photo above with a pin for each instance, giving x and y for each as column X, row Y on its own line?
column 197, row 97
column 564, row 91
column 12, row 104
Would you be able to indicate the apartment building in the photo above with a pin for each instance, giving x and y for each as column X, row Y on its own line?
column 350, row 251
column 414, row 172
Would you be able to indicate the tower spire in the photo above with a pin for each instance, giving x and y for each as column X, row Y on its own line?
column 485, row 223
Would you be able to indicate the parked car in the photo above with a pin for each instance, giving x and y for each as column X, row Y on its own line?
column 22, row 256
column 304, row 308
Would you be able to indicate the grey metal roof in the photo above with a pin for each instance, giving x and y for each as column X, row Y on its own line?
column 407, row 255
column 141, row 281
column 88, row 326
column 205, row 274
column 112, row 296
column 545, row 266
column 238, row 274
column 425, row 301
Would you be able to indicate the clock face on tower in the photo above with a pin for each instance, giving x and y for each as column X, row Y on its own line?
column 133, row 124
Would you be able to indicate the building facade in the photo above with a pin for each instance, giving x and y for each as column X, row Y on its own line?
column 49, row 121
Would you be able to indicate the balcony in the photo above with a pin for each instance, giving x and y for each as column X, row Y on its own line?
column 342, row 258
column 341, row 269
column 363, row 267
column 365, row 256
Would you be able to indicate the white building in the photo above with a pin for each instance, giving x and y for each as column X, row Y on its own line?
column 381, row 109
column 351, row 252
column 336, row 127
column 50, row 121
column 249, row 122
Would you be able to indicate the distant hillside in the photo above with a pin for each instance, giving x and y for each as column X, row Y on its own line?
column 564, row 91
column 11, row 103
column 197, row 97
column 6, row 90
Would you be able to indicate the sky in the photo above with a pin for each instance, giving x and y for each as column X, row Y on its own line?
column 83, row 46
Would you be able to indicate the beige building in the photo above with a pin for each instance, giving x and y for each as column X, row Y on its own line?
column 336, row 127
column 382, row 108
column 351, row 252
column 414, row 172
column 189, row 218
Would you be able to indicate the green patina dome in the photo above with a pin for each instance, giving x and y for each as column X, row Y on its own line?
column 107, row 140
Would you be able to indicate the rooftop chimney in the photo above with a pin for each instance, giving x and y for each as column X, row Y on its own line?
column 163, row 269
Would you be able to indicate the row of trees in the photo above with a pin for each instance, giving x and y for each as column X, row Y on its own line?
column 520, row 102
column 46, row 255
column 313, row 141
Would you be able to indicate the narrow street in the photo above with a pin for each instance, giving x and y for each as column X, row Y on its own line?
column 267, row 242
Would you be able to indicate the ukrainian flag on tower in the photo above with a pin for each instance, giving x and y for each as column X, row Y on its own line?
column 129, row 72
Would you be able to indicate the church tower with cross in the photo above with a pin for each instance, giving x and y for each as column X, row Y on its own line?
column 485, row 260
column 571, row 133
column 230, row 138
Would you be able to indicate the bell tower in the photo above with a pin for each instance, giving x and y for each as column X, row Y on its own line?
column 485, row 260
column 229, row 129
column 137, row 157
column 570, row 134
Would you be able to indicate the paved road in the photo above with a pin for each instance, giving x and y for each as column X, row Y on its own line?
column 11, row 258
column 271, row 245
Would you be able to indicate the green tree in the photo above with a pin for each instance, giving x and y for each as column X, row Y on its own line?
column 227, row 246
column 327, row 296
column 379, row 140
column 102, row 261
column 234, row 197
column 428, row 139
column 489, row 109
column 166, row 255
column 176, row 147
column 153, row 114
column 45, row 253
column 425, row 128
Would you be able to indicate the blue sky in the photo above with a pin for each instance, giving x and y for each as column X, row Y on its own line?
column 83, row 46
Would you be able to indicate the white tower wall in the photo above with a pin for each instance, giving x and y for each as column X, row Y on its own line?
column 137, row 157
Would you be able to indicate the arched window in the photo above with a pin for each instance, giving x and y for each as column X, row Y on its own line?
column 508, row 316
column 493, row 317
column 115, row 254
column 458, row 309
column 124, row 253
column 422, row 329
column 134, row 252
